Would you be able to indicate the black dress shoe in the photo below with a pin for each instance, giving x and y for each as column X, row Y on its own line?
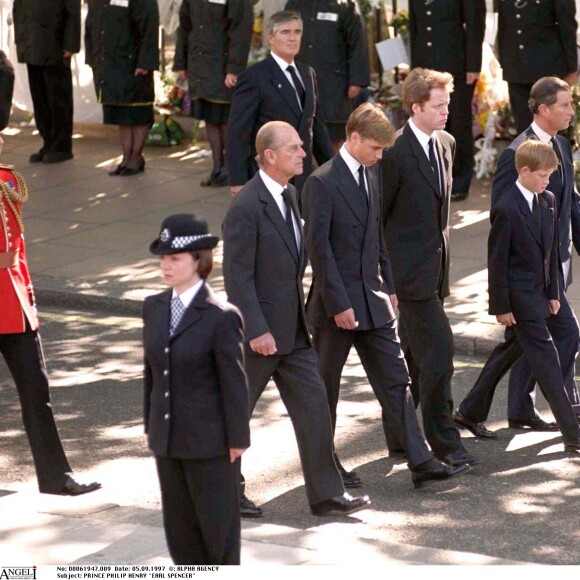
column 460, row 457
column 436, row 471
column 459, row 195
column 397, row 454
column 127, row 171
column 350, row 479
column 535, row 424
column 57, row 156
column 208, row 181
column 73, row 487
column 221, row 179
column 38, row 156
column 478, row 429
column 118, row 170
column 341, row 505
column 572, row 446
column 248, row 509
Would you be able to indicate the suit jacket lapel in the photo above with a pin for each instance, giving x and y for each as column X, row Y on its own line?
column 373, row 200
column 422, row 161
column 525, row 209
column 348, row 188
column 192, row 314
column 283, row 86
column 163, row 314
column 445, row 163
column 547, row 213
column 294, row 201
column 309, row 100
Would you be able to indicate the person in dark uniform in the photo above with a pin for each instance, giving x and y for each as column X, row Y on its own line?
column 122, row 48
column 536, row 38
column 334, row 44
column 47, row 34
column 213, row 42
column 19, row 339
column 447, row 35
column 196, row 398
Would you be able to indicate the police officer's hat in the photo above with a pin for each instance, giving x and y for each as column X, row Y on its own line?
column 6, row 89
column 183, row 232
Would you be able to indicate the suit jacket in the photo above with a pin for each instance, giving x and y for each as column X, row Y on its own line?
column 262, row 266
column 567, row 197
column 416, row 215
column 447, row 35
column 345, row 245
column 196, row 396
column 536, row 39
column 263, row 93
column 522, row 260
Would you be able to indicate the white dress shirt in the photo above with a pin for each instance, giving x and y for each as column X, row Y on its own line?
column 188, row 296
column 529, row 195
column 423, row 139
column 284, row 66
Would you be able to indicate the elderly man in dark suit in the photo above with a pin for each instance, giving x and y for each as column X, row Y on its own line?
column 348, row 303
column 47, row 34
column 535, row 39
column 276, row 89
column 264, row 262
column 416, row 192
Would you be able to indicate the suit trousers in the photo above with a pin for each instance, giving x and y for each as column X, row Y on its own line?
column 519, row 97
column 380, row 354
column 52, row 99
column 430, row 343
column 201, row 509
column 532, row 339
column 304, row 396
column 23, row 355
column 459, row 125
column 564, row 330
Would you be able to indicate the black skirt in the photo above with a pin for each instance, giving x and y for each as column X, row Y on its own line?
column 210, row 111
column 128, row 115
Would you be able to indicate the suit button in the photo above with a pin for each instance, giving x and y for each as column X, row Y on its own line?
column 519, row 31
column 428, row 12
column 438, row 250
column 166, row 350
column 167, row 394
column 429, row 29
column 166, row 416
column 429, row 44
column 518, row 16
column 521, row 47
column 165, row 372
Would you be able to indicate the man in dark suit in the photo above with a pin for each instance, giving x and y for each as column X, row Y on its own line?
column 335, row 45
column 551, row 103
column 448, row 36
column 416, row 192
column 524, row 289
column 535, row 39
column 349, row 303
column 276, row 89
column 264, row 262
column 47, row 34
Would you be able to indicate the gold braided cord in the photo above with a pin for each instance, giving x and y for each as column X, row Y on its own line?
column 15, row 196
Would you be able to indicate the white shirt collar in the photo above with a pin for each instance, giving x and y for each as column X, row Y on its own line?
column 541, row 134
column 350, row 161
column 273, row 186
column 188, row 296
column 529, row 195
column 282, row 63
column 422, row 137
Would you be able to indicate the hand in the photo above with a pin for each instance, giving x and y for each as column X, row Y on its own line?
column 141, row 72
column 471, row 78
column 394, row 300
column 554, row 307
column 67, row 53
column 264, row 345
column 571, row 78
column 231, row 80
column 235, row 453
column 353, row 91
column 346, row 320
column 182, row 75
column 235, row 189
column 506, row 319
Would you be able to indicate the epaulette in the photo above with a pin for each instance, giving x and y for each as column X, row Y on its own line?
column 6, row 166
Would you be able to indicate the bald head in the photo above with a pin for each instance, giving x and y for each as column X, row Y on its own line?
column 271, row 136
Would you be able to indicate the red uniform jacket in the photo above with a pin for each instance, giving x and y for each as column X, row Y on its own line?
column 16, row 296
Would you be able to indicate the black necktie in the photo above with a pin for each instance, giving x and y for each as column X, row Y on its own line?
column 536, row 215
column 433, row 161
column 297, row 85
column 558, row 155
column 289, row 221
column 361, row 182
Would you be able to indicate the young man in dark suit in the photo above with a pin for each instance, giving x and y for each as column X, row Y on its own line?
column 349, row 300
column 264, row 262
column 416, row 187
column 276, row 89
column 524, row 289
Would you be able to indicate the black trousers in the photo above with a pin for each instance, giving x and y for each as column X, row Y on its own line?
column 380, row 353
column 23, row 355
column 201, row 509
column 519, row 97
column 430, row 344
column 531, row 338
column 52, row 99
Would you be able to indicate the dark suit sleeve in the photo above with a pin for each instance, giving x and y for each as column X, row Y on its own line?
column 147, row 376
column 356, row 40
column 321, row 146
column 505, row 176
column 182, row 42
column 317, row 213
column 474, row 14
column 241, row 13
column 384, row 262
column 229, row 361
column 498, row 249
column 71, row 40
column 243, row 118
column 146, row 18
column 565, row 11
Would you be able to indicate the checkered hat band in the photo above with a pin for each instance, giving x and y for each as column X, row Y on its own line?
column 182, row 241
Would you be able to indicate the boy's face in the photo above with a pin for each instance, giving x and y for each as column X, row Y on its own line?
column 535, row 181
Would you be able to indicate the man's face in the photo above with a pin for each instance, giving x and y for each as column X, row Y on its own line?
column 285, row 41
column 365, row 150
column 287, row 159
column 559, row 115
column 432, row 115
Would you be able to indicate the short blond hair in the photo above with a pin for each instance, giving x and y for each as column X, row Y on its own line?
column 419, row 84
column 536, row 156
column 370, row 122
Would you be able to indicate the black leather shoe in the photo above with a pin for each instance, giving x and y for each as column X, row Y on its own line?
column 127, row 171
column 350, row 479
column 341, row 505
column 38, row 156
column 208, row 181
column 57, row 156
column 73, row 487
column 478, row 429
column 535, row 424
column 397, row 454
column 436, row 471
column 248, row 509
column 572, row 446
column 221, row 179
column 118, row 170
column 460, row 457
column 459, row 195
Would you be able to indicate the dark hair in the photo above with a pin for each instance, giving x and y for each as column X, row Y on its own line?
column 545, row 92
column 281, row 17
column 205, row 262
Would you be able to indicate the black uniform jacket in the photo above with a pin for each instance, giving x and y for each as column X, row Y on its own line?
column 264, row 93
column 334, row 44
column 121, row 36
column 447, row 35
column 536, row 38
column 416, row 215
column 213, row 39
column 345, row 245
column 44, row 29
column 522, row 259
column 196, row 396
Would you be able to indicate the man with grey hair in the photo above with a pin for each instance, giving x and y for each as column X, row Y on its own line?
column 263, row 264
column 276, row 89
